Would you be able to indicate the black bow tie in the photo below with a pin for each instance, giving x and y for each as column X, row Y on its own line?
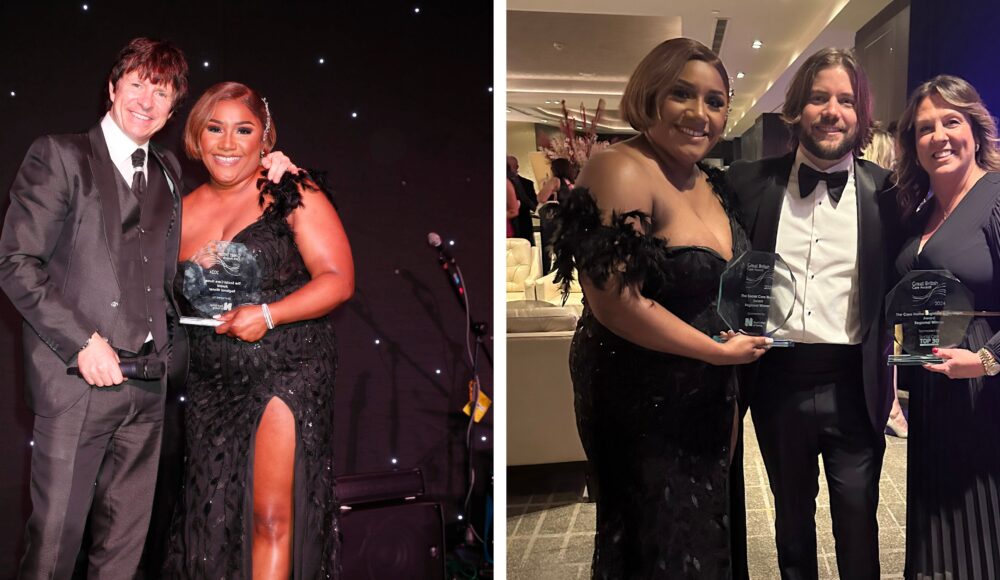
column 809, row 177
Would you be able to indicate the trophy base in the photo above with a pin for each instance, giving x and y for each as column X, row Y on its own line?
column 778, row 342
column 910, row 360
column 195, row 321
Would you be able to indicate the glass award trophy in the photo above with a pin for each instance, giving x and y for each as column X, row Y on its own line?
column 756, row 295
column 219, row 277
column 928, row 309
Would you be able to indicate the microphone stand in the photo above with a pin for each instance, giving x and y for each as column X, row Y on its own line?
column 479, row 330
column 457, row 283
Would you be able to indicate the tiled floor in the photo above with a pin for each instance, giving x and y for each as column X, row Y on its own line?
column 550, row 532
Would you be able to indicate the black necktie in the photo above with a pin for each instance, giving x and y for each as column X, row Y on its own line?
column 809, row 177
column 139, row 177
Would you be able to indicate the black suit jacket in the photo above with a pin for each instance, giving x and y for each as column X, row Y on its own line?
column 59, row 257
column 759, row 190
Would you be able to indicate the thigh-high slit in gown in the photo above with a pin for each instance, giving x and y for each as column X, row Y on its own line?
column 230, row 383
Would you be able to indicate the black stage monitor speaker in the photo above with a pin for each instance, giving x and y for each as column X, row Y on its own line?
column 401, row 542
column 365, row 488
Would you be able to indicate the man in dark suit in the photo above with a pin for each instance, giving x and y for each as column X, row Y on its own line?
column 525, row 189
column 87, row 256
column 830, row 216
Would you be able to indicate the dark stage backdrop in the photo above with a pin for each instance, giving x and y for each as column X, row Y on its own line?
column 957, row 38
column 415, row 158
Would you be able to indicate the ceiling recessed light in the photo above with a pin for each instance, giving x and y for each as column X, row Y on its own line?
column 740, row 75
column 756, row 44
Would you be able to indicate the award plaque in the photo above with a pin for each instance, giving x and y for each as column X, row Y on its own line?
column 219, row 277
column 928, row 309
column 756, row 295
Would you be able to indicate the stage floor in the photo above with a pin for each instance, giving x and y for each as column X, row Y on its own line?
column 550, row 532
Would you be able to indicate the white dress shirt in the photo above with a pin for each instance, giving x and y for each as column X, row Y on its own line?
column 121, row 148
column 819, row 240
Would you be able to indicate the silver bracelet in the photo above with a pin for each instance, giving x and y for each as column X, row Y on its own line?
column 267, row 316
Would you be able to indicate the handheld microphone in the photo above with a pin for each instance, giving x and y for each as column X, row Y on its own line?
column 434, row 241
column 449, row 267
column 141, row 368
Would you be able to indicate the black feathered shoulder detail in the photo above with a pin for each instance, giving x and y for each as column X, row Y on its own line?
column 286, row 195
column 730, row 202
column 625, row 249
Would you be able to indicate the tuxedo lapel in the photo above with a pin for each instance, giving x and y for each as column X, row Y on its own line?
column 104, row 174
column 869, row 246
column 769, row 210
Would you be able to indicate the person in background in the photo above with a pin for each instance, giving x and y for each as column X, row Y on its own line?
column 558, row 187
column 513, row 207
column 525, row 190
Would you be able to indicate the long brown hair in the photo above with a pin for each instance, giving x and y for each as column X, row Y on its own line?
column 657, row 73
column 799, row 90
column 957, row 92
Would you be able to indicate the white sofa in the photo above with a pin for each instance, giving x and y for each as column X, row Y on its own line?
column 523, row 267
column 541, row 421
column 545, row 289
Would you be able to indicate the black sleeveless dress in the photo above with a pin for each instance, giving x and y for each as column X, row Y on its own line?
column 656, row 427
column 229, row 385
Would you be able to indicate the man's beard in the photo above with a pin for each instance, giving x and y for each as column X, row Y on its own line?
column 828, row 152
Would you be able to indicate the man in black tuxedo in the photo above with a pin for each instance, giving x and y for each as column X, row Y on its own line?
column 831, row 216
column 87, row 256
column 525, row 189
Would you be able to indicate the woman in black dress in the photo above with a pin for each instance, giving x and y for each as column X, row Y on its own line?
column 650, row 231
column 948, row 147
column 258, row 491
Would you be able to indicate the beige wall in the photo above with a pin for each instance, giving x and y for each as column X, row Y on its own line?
column 521, row 144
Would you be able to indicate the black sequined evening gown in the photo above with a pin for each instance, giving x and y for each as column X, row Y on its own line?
column 656, row 427
column 229, row 385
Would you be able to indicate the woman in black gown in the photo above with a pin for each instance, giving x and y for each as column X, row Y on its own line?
column 650, row 231
column 948, row 146
column 258, row 491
